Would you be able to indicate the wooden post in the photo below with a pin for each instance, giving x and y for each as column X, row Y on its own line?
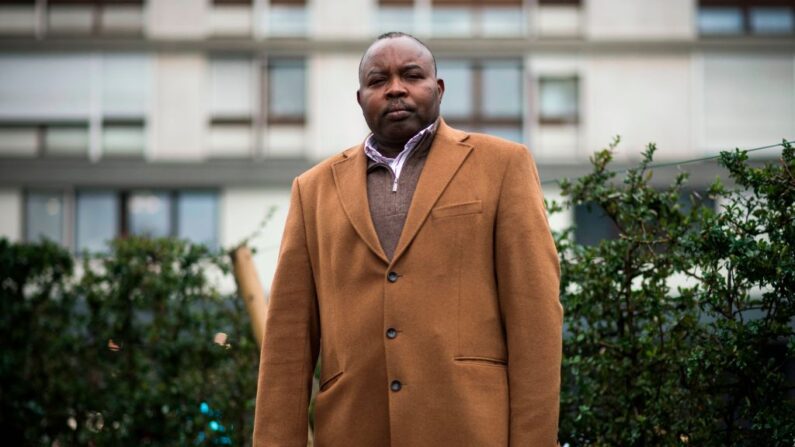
column 250, row 290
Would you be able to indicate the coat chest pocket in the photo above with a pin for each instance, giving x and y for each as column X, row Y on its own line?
column 458, row 209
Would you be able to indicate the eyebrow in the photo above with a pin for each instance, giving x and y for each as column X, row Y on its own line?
column 410, row 67
column 407, row 67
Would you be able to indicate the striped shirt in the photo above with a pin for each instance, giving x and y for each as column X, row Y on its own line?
column 396, row 164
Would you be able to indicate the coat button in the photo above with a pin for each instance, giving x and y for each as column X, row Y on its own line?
column 395, row 385
column 391, row 333
column 392, row 276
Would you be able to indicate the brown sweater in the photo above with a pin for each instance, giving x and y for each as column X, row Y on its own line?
column 387, row 208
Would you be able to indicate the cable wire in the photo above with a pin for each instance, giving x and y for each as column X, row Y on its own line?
column 676, row 163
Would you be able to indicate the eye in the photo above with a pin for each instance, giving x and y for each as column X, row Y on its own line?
column 375, row 81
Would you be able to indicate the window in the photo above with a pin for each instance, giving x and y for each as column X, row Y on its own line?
column 395, row 15
column 99, row 216
column 18, row 17
column 232, row 106
column 286, row 91
column 287, row 18
column 197, row 217
column 771, row 20
column 148, row 213
column 124, row 91
column 95, row 16
column 19, row 139
column 231, row 18
column 191, row 215
column 558, row 100
column 97, row 220
column 122, row 137
column 54, row 115
column 488, row 18
column 484, row 96
column 44, row 216
column 736, row 17
column 66, row 139
column 592, row 225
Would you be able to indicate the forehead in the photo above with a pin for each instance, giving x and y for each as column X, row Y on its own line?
column 396, row 51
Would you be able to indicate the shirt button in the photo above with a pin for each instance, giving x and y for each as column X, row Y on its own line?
column 395, row 385
column 391, row 333
column 392, row 276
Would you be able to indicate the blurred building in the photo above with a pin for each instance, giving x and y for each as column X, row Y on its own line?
column 191, row 117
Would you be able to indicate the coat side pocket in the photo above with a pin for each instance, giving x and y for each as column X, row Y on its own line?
column 329, row 381
column 485, row 361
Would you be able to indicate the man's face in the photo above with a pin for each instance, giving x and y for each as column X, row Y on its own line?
column 398, row 90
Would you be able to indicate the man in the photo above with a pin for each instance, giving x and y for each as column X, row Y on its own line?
column 419, row 266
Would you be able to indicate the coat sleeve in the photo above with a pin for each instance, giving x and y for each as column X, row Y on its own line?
column 528, row 280
column 290, row 344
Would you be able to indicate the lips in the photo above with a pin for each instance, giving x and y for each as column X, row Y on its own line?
column 398, row 112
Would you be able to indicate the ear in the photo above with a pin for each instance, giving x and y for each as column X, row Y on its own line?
column 440, row 84
column 359, row 97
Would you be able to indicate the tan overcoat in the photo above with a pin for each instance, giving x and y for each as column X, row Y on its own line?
column 454, row 342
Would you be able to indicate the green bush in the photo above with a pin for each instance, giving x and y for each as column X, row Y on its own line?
column 125, row 352
column 679, row 331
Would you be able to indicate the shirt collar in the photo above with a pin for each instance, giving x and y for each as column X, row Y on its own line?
column 373, row 154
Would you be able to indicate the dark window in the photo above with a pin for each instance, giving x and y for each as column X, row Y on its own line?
column 560, row 2
column 483, row 96
column 737, row 17
column 97, row 220
column 286, row 98
column 558, row 100
column 592, row 225
column 44, row 216
column 232, row 2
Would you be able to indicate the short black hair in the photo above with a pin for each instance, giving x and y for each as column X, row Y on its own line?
column 394, row 35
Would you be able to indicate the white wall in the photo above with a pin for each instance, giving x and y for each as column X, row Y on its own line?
column 334, row 118
column 746, row 100
column 644, row 98
column 180, row 116
column 242, row 211
column 639, row 19
column 178, row 19
column 347, row 19
column 11, row 214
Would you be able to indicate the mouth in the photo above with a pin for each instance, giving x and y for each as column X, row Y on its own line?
column 398, row 111
column 397, row 114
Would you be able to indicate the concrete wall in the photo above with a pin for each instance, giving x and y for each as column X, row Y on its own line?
column 640, row 19
column 178, row 19
column 744, row 100
column 642, row 98
column 242, row 210
column 179, row 119
column 11, row 214
column 334, row 117
column 349, row 19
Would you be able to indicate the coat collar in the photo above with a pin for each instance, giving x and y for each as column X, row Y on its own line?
column 448, row 151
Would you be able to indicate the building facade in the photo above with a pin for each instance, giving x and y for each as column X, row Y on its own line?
column 191, row 117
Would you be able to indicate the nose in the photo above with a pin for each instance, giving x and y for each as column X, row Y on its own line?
column 395, row 88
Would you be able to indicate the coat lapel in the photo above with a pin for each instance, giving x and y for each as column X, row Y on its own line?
column 448, row 151
column 350, row 177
